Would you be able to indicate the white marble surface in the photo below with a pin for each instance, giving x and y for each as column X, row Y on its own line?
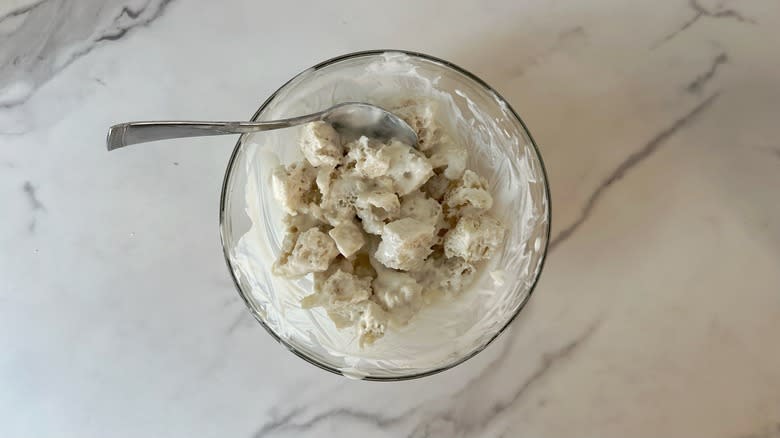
column 658, row 313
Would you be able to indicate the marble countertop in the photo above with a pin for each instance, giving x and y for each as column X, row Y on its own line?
column 658, row 313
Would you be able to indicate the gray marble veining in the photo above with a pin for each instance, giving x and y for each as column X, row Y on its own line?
column 51, row 34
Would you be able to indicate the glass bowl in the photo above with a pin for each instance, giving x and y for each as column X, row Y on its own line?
column 448, row 332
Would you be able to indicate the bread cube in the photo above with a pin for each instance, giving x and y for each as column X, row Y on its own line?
column 348, row 238
column 474, row 238
column 469, row 196
column 312, row 252
column 367, row 157
column 375, row 208
column 293, row 186
column 409, row 169
column 321, row 144
column 405, row 244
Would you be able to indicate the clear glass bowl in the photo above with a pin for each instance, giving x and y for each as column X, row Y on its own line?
column 441, row 335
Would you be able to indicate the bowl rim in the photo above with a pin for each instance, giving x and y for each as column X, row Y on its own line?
column 223, row 201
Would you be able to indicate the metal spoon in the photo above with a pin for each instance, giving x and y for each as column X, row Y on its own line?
column 351, row 117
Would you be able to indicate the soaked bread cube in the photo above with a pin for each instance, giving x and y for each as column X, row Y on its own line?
column 338, row 205
column 343, row 295
column 367, row 157
column 348, row 238
column 312, row 251
column 469, row 196
column 447, row 275
column 456, row 275
column 421, row 117
column 409, row 169
column 293, row 186
column 418, row 206
column 405, row 244
column 474, row 238
column 398, row 293
column 338, row 290
column 321, row 144
column 377, row 207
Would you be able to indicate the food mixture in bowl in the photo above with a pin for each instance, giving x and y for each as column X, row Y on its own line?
column 459, row 270
column 385, row 229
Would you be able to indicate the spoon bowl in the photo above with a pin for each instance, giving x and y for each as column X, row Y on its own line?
column 369, row 120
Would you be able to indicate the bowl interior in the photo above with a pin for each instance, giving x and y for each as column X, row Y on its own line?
column 447, row 332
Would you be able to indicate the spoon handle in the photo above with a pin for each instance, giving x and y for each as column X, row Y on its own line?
column 125, row 134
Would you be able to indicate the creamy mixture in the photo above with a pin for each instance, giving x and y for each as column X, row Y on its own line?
column 383, row 228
